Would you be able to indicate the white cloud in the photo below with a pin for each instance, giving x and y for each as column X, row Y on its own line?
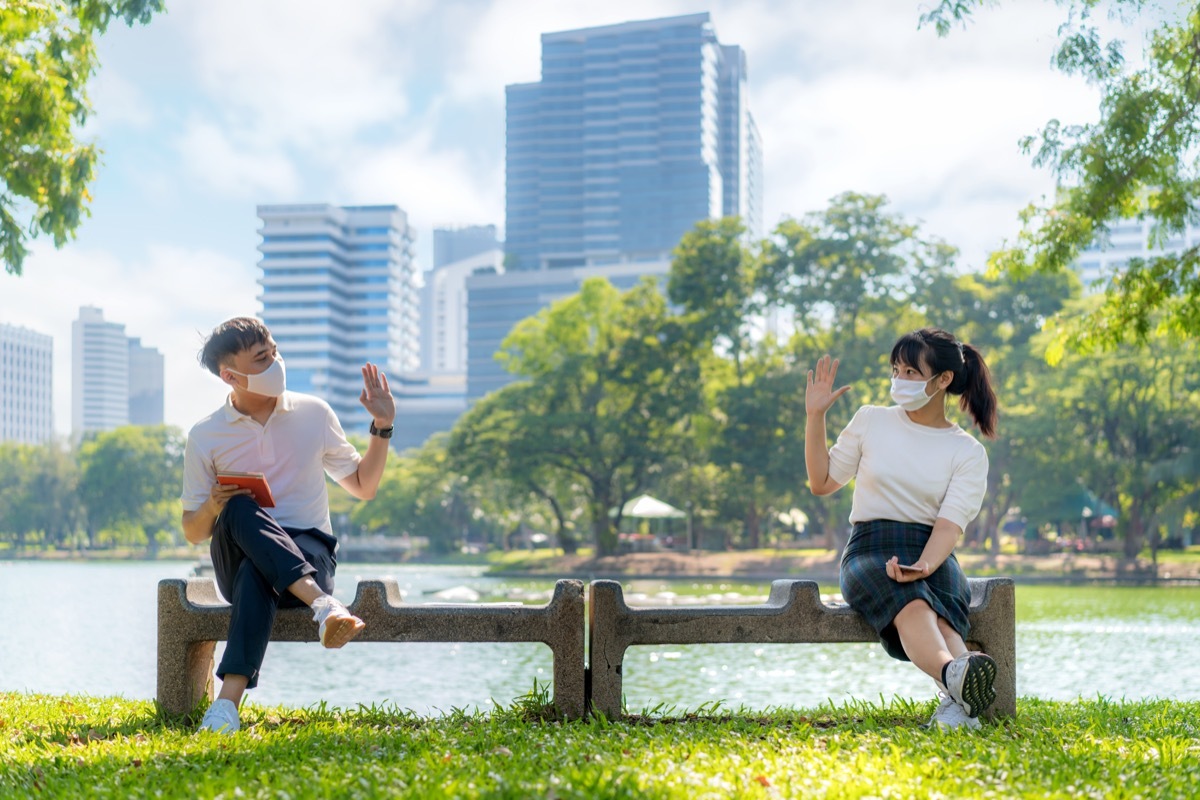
column 435, row 186
column 244, row 170
column 117, row 102
column 170, row 299
column 303, row 72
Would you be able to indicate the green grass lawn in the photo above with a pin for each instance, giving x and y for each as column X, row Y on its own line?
column 81, row 747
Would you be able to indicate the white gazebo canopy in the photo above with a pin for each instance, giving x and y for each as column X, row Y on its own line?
column 648, row 507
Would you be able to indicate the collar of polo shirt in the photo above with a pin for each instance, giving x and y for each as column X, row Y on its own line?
column 283, row 403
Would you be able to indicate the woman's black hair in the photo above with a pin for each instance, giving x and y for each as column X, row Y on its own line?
column 941, row 352
column 230, row 338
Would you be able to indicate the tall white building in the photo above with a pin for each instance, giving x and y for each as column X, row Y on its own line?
column 99, row 373
column 115, row 379
column 444, row 312
column 26, row 396
column 339, row 288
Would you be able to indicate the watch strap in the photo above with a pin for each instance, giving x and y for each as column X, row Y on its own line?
column 382, row 433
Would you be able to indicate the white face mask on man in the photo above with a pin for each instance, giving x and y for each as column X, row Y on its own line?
column 910, row 395
column 271, row 382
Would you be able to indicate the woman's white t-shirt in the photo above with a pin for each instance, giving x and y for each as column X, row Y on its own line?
column 909, row 472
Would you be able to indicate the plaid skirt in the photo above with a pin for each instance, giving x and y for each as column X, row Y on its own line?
column 869, row 591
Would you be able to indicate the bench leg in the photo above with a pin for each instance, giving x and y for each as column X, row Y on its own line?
column 185, row 675
column 996, row 635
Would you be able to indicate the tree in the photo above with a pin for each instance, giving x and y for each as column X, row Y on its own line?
column 488, row 445
column 38, row 493
column 1001, row 316
column 852, row 263
column 125, row 476
column 713, row 277
column 611, row 381
column 421, row 495
column 47, row 56
column 1122, row 423
column 1139, row 160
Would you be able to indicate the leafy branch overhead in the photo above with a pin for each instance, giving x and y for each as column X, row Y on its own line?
column 1140, row 160
column 47, row 56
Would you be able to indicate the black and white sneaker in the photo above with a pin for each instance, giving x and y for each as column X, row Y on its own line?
column 969, row 681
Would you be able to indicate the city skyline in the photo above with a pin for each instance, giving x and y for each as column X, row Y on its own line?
column 405, row 106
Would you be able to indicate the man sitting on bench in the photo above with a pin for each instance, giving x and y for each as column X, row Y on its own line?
column 285, row 556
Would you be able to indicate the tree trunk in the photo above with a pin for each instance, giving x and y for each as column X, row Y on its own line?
column 1134, row 534
column 602, row 529
column 753, row 528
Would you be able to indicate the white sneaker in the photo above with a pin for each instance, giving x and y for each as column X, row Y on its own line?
column 969, row 680
column 221, row 717
column 338, row 625
column 950, row 714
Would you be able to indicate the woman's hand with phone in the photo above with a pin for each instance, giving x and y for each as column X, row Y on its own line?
column 904, row 573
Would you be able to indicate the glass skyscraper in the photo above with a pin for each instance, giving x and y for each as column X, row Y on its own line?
column 339, row 288
column 636, row 132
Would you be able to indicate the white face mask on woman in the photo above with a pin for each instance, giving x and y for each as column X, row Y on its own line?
column 910, row 395
column 271, row 382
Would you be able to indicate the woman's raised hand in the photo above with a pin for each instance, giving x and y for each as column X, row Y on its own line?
column 820, row 394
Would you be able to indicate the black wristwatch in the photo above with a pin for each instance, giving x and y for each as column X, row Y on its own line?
column 382, row 433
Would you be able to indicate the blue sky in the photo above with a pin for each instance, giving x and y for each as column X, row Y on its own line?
column 219, row 105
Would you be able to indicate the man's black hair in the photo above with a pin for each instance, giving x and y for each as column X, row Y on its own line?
column 230, row 338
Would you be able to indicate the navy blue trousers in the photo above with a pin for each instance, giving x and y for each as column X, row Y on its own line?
column 255, row 559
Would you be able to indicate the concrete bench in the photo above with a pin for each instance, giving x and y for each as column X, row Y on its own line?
column 793, row 613
column 192, row 619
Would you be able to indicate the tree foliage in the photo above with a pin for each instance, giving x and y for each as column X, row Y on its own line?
column 47, row 56
column 610, row 381
column 131, row 476
column 1141, row 160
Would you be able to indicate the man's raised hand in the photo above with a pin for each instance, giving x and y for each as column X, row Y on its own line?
column 376, row 397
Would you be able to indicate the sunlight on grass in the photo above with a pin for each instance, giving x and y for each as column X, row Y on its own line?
column 82, row 747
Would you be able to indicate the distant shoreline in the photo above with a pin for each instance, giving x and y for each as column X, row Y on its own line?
column 746, row 566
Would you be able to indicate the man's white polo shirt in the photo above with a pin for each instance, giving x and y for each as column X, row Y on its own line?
column 301, row 441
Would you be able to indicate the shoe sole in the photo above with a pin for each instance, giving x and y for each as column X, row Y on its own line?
column 340, row 630
column 978, row 689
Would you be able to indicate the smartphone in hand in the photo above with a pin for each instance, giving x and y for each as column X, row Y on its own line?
column 910, row 568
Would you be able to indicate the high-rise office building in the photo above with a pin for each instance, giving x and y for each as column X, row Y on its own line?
column 635, row 132
column 145, row 384
column 115, row 379
column 339, row 289
column 99, row 373
column 451, row 245
column 26, row 396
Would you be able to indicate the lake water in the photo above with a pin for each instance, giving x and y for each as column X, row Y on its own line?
column 91, row 629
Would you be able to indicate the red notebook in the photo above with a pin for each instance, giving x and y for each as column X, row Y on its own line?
column 256, row 482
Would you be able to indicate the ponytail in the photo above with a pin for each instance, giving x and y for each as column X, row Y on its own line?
column 978, row 398
column 941, row 352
